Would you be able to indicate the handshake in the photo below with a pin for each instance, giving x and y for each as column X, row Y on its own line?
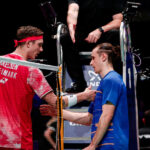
column 87, row 94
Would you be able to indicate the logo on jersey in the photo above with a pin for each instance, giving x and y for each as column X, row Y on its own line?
column 3, row 80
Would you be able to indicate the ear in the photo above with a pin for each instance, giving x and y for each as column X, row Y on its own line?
column 104, row 57
column 28, row 44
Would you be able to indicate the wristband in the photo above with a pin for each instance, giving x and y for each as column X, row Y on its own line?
column 72, row 100
column 101, row 30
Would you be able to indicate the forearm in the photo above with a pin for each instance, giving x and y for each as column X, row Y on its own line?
column 114, row 24
column 83, row 96
column 52, row 142
column 96, row 34
column 86, row 95
column 104, row 122
column 71, row 100
column 80, row 118
column 101, row 130
column 48, row 137
column 51, row 99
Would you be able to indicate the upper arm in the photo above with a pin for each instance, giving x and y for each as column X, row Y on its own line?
column 108, row 111
column 111, row 91
column 73, row 9
column 37, row 82
column 72, row 14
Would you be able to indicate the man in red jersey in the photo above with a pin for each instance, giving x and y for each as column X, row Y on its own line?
column 18, row 84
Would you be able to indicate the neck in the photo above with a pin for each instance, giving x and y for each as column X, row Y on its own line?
column 21, row 52
column 106, row 70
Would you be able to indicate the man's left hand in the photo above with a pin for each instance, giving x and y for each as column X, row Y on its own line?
column 93, row 36
column 47, row 110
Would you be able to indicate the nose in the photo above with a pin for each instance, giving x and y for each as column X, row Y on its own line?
column 41, row 49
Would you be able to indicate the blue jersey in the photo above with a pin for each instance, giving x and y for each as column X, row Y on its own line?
column 112, row 89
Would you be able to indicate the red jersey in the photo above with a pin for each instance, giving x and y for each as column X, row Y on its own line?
column 18, row 84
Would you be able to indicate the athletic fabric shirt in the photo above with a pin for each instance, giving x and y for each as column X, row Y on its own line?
column 18, row 84
column 112, row 89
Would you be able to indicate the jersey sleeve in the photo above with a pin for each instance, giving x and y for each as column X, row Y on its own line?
column 111, row 91
column 38, row 82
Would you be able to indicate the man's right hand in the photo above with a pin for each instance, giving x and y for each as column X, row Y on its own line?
column 89, row 93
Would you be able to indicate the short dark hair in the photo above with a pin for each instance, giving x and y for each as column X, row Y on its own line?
column 27, row 31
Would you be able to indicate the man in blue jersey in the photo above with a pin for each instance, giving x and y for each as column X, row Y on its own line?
column 108, row 113
column 110, row 129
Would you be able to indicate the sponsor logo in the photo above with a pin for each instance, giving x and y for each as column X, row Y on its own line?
column 3, row 80
column 91, row 78
column 94, row 79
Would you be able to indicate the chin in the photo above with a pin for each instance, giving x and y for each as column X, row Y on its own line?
column 33, row 57
column 95, row 71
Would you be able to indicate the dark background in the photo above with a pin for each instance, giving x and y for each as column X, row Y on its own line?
column 27, row 12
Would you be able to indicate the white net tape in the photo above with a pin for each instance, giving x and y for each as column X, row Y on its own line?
column 26, row 63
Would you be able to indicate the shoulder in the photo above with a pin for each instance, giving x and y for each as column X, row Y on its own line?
column 113, row 78
column 35, row 71
column 113, row 75
column 35, row 74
